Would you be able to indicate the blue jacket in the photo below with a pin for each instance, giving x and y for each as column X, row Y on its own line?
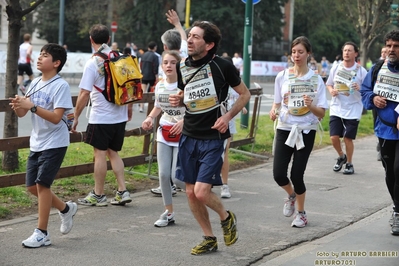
column 387, row 114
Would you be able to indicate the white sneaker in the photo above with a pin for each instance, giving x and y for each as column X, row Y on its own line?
column 165, row 219
column 67, row 218
column 37, row 240
column 300, row 220
column 225, row 191
column 158, row 191
column 289, row 207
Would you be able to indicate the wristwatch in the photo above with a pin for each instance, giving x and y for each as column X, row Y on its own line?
column 33, row 109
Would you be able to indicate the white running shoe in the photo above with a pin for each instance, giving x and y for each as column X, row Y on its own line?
column 165, row 219
column 300, row 220
column 158, row 191
column 67, row 218
column 289, row 207
column 37, row 240
column 225, row 192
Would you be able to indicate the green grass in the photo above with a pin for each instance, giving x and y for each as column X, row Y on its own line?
column 79, row 153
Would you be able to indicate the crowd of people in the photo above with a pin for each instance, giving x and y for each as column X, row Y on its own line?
column 196, row 122
column 300, row 104
column 192, row 137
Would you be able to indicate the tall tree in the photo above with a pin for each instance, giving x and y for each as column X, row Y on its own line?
column 15, row 15
column 370, row 18
column 140, row 24
column 318, row 22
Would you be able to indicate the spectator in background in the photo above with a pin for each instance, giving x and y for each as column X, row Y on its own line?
column 337, row 60
column 238, row 62
column 114, row 46
column 132, row 47
column 66, row 48
column 313, row 64
column 369, row 64
column 384, row 53
column 324, row 66
column 127, row 51
column 24, row 62
column 149, row 65
column 284, row 58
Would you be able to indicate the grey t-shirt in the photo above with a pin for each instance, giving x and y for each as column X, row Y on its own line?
column 49, row 95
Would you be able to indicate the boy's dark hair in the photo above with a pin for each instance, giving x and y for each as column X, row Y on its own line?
column 152, row 45
column 99, row 34
column 392, row 35
column 57, row 52
column 127, row 50
column 211, row 34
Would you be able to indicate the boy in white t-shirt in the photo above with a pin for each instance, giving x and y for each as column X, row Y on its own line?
column 48, row 99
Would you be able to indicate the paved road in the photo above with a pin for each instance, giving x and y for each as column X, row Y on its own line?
column 346, row 213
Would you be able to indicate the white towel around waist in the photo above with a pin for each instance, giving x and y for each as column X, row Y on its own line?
column 295, row 137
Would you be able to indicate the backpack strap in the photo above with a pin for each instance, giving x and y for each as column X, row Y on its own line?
column 376, row 68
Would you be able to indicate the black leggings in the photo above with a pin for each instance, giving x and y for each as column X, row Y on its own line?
column 389, row 150
column 282, row 158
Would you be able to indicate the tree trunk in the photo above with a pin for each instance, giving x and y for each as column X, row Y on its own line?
column 364, row 51
column 15, row 15
column 10, row 158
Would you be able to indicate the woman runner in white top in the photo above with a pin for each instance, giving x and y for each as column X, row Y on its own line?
column 167, row 148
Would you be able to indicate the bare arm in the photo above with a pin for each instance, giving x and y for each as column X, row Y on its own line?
column 22, row 105
column 242, row 100
column 222, row 123
column 149, row 120
column 81, row 102
column 274, row 111
column 173, row 19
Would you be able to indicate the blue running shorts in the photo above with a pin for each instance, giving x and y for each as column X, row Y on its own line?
column 200, row 160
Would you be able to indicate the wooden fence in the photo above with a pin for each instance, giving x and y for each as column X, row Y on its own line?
column 15, row 143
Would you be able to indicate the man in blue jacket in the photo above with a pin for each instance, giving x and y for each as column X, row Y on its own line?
column 380, row 91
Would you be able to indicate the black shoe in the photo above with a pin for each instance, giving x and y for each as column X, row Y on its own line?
column 340, row 162
column 349, row 170
column 395, row 224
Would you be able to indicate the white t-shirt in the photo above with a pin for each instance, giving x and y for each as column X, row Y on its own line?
column 162, row 91
column 347, row 106
column 183, row 49
column 233, row 96
column 49, row 95
column 102, row 111
column 23, row 53
column 238, row 62
column 281, row 91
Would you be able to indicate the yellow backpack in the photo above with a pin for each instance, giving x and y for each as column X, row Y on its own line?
column 122, row 78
